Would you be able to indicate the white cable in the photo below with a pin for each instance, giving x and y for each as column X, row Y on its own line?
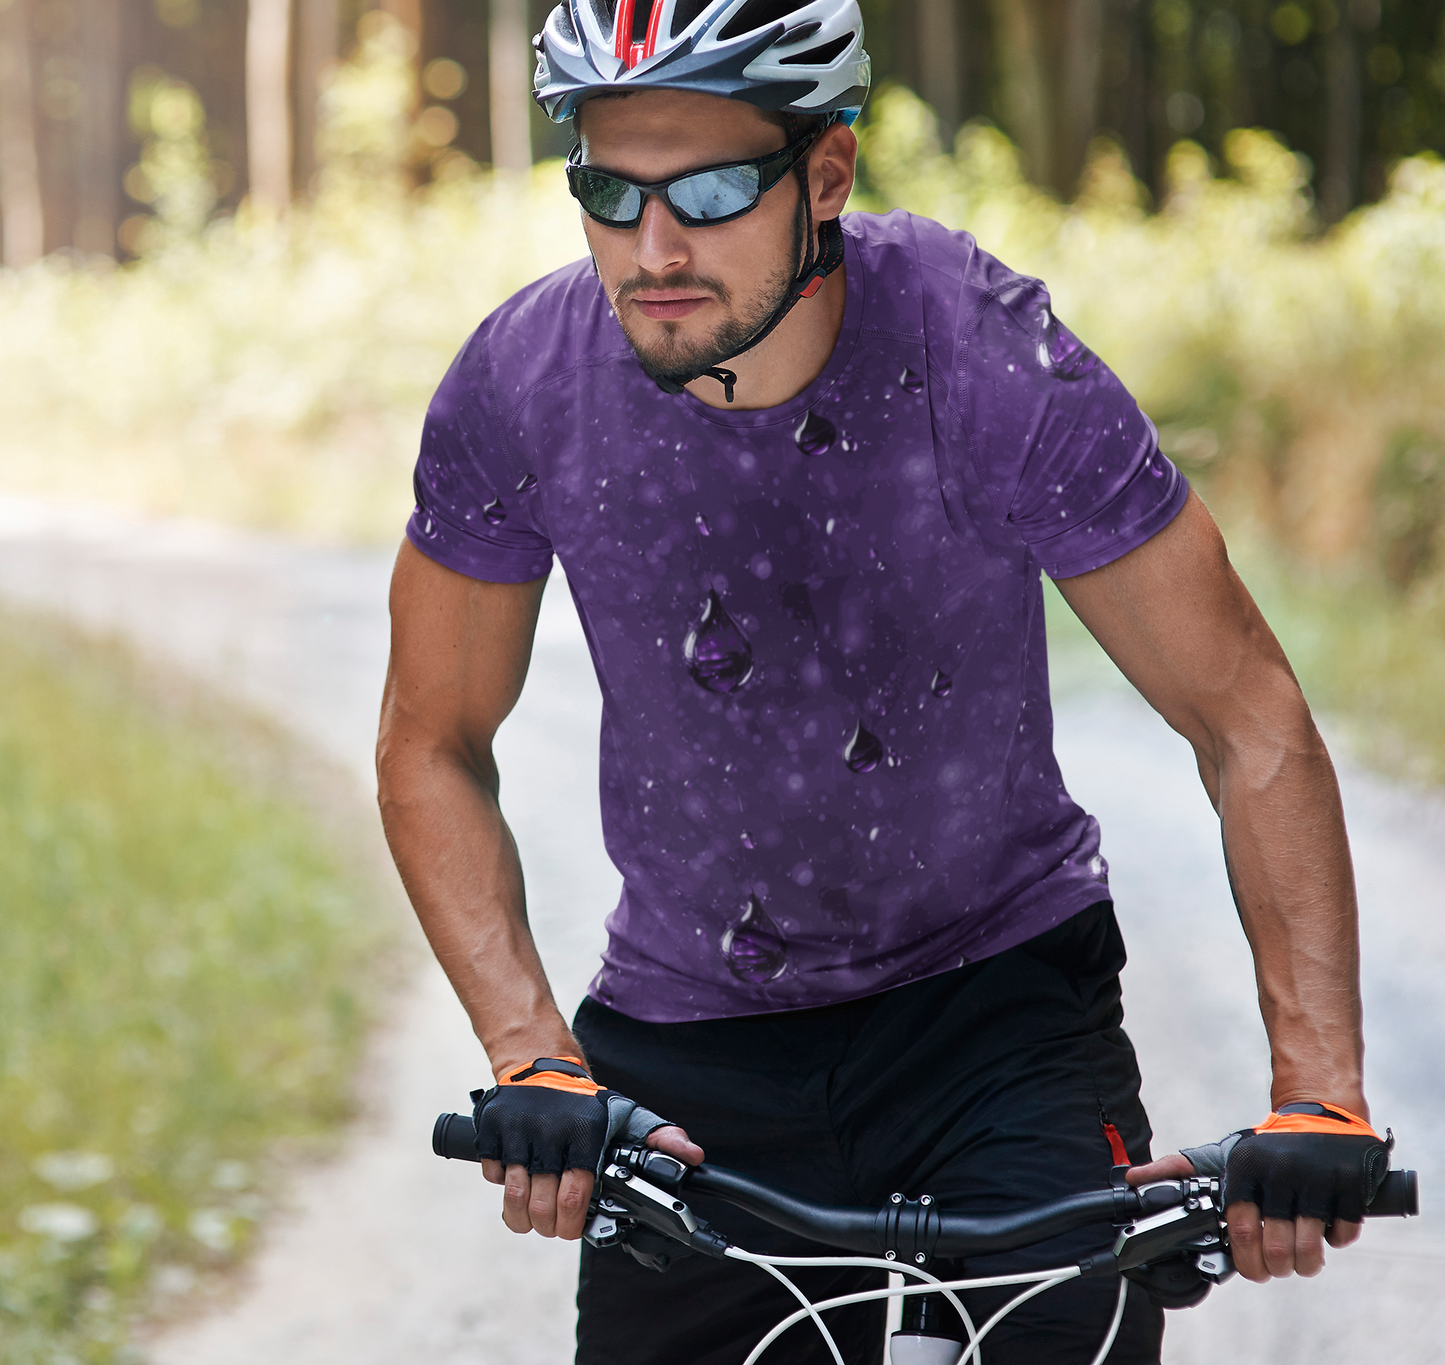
column 1038, row 1280
column 737, row 1253
column 808, row 1307
column 1113, row 1326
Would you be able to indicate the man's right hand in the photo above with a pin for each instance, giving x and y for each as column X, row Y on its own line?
column 543, row 1131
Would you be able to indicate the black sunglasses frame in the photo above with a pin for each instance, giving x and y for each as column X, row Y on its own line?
column 771, row 169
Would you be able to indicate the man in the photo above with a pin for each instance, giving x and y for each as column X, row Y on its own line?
column 802, row 479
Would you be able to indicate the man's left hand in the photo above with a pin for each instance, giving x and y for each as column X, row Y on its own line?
column 1306, row 1174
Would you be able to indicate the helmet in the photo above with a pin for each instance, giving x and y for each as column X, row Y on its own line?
column 796, row 56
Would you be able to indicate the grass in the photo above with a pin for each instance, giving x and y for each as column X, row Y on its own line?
column 184, row 979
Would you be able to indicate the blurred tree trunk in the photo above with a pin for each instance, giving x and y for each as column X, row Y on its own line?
column 102, row 115
column 22, row 219
column 1049, row 59
column 317, row 47
column 509, row 70
column 939, row 66
column 1340, row 174
column 268, row 104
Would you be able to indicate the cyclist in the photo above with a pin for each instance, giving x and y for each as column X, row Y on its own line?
column 803, row 475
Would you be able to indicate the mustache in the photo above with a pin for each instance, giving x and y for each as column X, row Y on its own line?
column 680, row 281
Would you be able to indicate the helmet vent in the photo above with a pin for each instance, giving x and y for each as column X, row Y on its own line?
column 685, row 12
column 641, row 14
column 796, row 35
column 603, row 11
column 565, row 29
column 756, row 14
column 818, row 56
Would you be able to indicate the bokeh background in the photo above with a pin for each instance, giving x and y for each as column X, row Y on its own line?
column 242, row 241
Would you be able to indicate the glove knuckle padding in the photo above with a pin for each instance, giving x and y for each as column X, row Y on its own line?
column 547, row 1131
column 551, row 1126
column 1306, row 1175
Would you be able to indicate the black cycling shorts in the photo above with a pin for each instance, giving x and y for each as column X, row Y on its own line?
column 988, row 1087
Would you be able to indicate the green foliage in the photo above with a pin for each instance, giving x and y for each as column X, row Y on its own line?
column 277, row 373
column 174, row 172
column 1278, row 362
column 180, row 976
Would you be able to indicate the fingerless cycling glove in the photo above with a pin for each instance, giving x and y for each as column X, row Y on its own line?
column 1304, row 1161
column 552, row 1117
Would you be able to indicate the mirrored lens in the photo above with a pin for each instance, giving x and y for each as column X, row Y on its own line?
column 715, row 194
column 614, row 201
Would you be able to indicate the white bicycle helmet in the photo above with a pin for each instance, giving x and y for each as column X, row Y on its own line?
column 796, row 56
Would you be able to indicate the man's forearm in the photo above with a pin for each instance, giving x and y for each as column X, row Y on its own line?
column 460, row 867
column 1289, row 868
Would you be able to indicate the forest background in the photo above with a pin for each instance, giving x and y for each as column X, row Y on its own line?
column 311, row 202
column 241, row 243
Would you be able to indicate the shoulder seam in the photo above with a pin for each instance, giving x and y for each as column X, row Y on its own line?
column 964, row 412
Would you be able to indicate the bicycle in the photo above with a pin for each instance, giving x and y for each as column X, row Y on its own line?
column 1170, row 1236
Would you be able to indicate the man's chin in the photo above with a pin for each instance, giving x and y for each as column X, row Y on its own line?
column 667, row 352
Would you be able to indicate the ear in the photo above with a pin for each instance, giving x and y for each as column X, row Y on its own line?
column 832, row 166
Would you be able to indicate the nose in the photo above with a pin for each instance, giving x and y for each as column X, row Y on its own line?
column 661, row 244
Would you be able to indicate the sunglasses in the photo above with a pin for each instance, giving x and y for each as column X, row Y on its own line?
column 715, row 194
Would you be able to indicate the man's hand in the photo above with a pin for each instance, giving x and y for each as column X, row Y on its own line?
column 556, row 1206
column 1263, row 1248
column 544, row 1131
column 1322, row 1163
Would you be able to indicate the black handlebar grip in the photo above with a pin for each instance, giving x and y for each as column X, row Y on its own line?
column 1397, row 1197
column 455, row 1136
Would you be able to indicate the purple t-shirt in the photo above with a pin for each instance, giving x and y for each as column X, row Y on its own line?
column 827, row 747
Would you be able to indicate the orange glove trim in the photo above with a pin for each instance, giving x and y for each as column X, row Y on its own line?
column 554, row 1080
column 1347, row 1124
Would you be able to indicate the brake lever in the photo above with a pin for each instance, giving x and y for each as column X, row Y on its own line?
column 625, row 1200
column 1194, row 1228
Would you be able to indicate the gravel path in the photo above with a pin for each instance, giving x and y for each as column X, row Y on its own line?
column 386, row 1256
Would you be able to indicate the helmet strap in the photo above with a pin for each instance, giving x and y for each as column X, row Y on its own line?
column 816, row 267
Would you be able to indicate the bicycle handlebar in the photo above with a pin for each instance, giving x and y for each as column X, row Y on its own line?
column 904, row 1226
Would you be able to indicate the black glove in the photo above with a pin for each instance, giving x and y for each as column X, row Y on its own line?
column 552, row 1117
column 1304, row 1161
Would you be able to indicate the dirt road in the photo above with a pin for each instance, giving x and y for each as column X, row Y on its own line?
column 388, row 1256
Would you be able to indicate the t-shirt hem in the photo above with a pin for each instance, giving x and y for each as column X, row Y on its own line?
column 644, row 1008
column 1129, row 538
column 477, row 556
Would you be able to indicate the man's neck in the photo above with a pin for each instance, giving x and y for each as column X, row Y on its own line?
column 790, row 358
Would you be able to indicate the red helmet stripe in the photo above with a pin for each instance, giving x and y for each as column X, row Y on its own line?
column 654, row 22
column 622, row 33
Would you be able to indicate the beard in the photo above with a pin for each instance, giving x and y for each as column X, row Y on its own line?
column 679, row 361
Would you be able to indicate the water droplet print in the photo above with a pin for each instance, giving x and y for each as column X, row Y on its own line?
column 910, row 381
column 864, row 750
column 814, row 434
column 1062, row 353
column 495, row 512
column 703, row 529
column 716, row 651
column 942, row 684
column 527, row 483
column 748, row 840
column 754, row 947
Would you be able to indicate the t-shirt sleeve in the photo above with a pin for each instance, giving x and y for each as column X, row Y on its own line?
column 1063, row 451
column 470, row 515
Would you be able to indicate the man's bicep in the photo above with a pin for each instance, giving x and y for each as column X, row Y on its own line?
column 1182, row 627
column 460, row 648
